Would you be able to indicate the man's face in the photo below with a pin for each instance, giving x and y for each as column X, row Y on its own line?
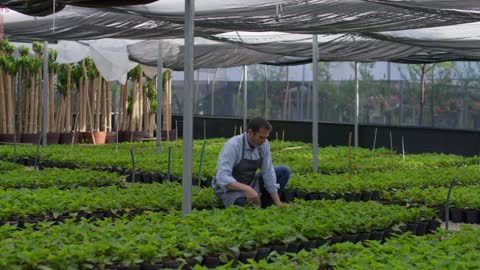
column 259, row 137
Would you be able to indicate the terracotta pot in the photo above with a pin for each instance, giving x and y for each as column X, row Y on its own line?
column 100, row 137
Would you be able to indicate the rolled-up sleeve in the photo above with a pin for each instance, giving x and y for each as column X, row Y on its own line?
column 268, row 173
column 225, row 163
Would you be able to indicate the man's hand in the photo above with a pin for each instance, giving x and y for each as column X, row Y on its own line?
column 252, row 196
column 250, row 193
column 276, row 199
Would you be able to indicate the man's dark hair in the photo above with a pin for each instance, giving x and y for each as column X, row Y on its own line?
column 257, row 123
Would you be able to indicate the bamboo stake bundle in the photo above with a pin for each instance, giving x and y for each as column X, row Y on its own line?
column 36, row 114
column 8, row 68
column 81, row 109
column 104, row 107
column 20, row 98
column 60, row 115
column 109, row 106
column 91, row 100
column 29, row 90
column 51, row 107
column 146, row 109
column 84, row 81
column 98, row 103
column 140, row 102
column 167, row 102
column 9, row 101
column 38, row 100
column 52, row 68
column 134, row 103
column 23, row 62
column 123, row 106
column 3, row 107
column 68, row 113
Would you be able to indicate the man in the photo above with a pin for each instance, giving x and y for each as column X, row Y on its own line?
column 236, row 181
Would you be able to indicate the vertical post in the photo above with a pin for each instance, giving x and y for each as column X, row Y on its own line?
column 15, row 108
column 245, row 107
column 301, row 94
column 188, row 108
column 159, row 97
column 389, row 91
column 315, row 105
column 266, row 93
column 44, row 94
column 357, row 105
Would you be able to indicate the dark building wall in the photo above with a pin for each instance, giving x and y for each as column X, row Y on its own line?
column 417, row 140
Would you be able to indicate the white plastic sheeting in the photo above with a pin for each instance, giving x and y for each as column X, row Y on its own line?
column 164, row 19
column 110, row 56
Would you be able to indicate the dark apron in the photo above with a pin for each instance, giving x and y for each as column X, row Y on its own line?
column 246, row 173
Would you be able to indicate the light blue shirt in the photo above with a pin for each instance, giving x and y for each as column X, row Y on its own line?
column 230, row 156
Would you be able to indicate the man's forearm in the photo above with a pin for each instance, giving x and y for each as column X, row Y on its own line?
column 275, row 198
column 238, row 186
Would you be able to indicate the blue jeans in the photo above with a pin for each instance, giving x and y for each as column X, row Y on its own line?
column 283, row 174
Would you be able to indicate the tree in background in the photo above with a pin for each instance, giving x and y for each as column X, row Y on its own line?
column 420, row 72
column 467, row 77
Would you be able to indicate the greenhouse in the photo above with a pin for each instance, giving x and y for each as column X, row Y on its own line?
column 266, row 134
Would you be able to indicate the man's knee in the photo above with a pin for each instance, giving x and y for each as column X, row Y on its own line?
column 282, row 171
column 242, row 201
column 283, row 174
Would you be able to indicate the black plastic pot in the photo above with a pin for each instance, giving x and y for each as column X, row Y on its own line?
column 288, row 195
column 322, row 242
column 206, row 183
column 245, row 255
column 211, row 261
column 313, row 196
column 362, row 237
column 157, row 178
column 307, row 245
column 376, row 235
column 458, row 215
column 422, row 228
column 366, row 196
column 293, row 247
column 262, row 253
column 349, row 238
column 441, row 212
column 472, row 216
column 412, row 227
column 134, row 267
column 301, row 195
column 433, row 225
column 171, row 264
column 352, row 197
column 375, row 196
column 389, row 233
column 146, row 178
column 279, row 249
column 151, row 266
column 335, row 239
column 189, row 264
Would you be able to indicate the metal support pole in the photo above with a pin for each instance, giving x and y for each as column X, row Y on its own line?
column 245, row 107
column 315, row 105
column 159, row 97
column 188, row 108
column 357, row 105
column 45, row 94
